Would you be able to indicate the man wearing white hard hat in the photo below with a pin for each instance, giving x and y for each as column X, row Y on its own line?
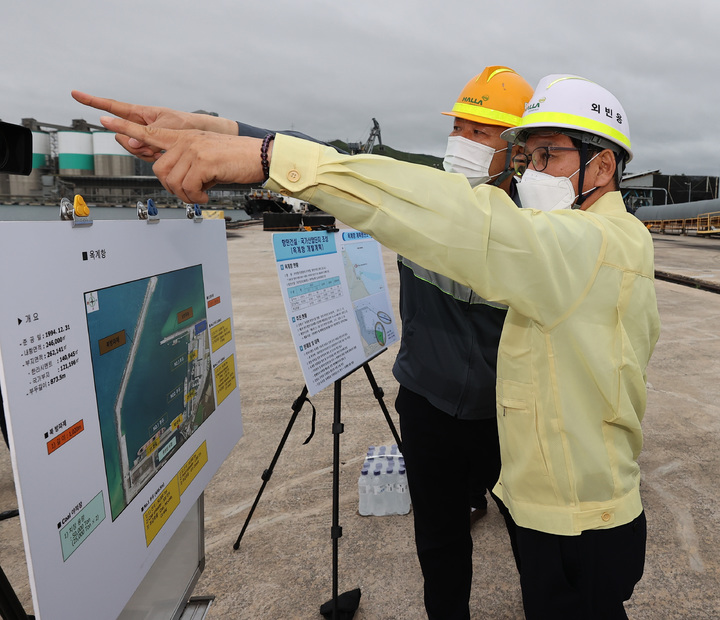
column 574, row 267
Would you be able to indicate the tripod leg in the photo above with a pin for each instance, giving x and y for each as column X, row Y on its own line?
column 378, row 393
column 267, row 474
column 351, row 599
column 336, row 531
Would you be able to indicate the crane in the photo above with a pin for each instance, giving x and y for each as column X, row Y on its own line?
column 367, row 147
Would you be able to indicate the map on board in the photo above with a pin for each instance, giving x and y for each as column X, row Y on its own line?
column 153, row 381
column 365, row 274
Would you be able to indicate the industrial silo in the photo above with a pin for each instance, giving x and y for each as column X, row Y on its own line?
column 23, row 188
column 111, row 159
column 75, row 153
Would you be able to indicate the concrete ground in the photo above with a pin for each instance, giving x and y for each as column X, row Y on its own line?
column 283, row 567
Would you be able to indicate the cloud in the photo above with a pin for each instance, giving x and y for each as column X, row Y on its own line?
column 327, row 68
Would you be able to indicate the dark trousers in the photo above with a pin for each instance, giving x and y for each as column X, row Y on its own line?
column 445, row 457
column 586, row 576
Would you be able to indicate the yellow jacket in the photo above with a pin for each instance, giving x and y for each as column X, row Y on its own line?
column 579, row 333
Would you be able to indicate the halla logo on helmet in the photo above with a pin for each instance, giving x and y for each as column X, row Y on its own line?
column 475, row 101
column 534, row 106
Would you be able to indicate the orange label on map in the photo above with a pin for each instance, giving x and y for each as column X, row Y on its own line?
column 65, row 436
column 184, row 315
column 113, row 341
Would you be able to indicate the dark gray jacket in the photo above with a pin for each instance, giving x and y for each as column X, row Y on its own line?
column 450, row 337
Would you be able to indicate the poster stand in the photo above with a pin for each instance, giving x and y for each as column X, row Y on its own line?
column 337, row 430
column 184, row 557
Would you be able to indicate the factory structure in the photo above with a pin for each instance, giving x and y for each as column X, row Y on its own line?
column 674, row 204
column 86, row 159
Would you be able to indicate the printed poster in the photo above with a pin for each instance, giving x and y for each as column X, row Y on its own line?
column 117, row 368
column 336, row 299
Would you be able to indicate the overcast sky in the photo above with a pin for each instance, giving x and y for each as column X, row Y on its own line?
column 327, row 67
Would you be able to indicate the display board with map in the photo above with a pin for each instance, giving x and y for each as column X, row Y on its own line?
column 336, row 299
column 117, row 368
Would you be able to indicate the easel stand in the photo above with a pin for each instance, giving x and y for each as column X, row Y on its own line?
column 337, row 429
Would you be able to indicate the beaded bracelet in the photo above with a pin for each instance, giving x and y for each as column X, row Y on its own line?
column 264, row 154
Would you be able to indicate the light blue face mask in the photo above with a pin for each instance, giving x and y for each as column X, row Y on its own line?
column 469, row 158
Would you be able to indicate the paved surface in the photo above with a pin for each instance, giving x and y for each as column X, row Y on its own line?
column 284, row 565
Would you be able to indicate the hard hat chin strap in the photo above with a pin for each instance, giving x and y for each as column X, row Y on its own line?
column 585, row 160
column 508, row 171
column 581, row 177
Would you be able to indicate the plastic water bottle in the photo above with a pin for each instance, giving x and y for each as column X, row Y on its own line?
column 401, row 492
column 378, row 495
column 364, row 491
column 390, row 464
column 390, row 475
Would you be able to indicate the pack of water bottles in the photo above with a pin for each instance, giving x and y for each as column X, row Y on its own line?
column 382, row 485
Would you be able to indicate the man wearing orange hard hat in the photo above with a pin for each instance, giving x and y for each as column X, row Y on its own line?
column 446, row 365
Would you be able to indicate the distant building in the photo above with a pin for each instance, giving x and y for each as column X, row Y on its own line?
column 653, row 188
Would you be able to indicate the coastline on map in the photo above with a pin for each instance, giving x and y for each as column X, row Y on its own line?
column 127, row 371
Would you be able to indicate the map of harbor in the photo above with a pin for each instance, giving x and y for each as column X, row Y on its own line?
column 364, row 274
column 153, row 375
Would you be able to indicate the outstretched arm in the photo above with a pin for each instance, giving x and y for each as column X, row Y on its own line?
column 432, row 217
column 189, row 162
column 154, row 116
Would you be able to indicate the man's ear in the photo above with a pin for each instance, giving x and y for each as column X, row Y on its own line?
column 604, row 168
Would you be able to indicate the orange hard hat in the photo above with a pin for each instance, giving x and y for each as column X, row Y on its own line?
column 496, row 97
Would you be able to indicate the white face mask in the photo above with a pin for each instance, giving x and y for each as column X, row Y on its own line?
column 544, row 192
column 469, row 158
column 541, row 191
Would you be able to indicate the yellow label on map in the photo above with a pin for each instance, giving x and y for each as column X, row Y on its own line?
column 193, row 466
column 160, row 510
column 175, row 424
column 220, row 334
column 225, row 380
column 152, row 446
column 192, row 356
column 189, row 396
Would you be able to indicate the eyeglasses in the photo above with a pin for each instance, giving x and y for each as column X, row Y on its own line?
column 539, row 158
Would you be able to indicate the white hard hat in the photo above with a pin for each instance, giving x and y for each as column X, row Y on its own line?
column 575, row 105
